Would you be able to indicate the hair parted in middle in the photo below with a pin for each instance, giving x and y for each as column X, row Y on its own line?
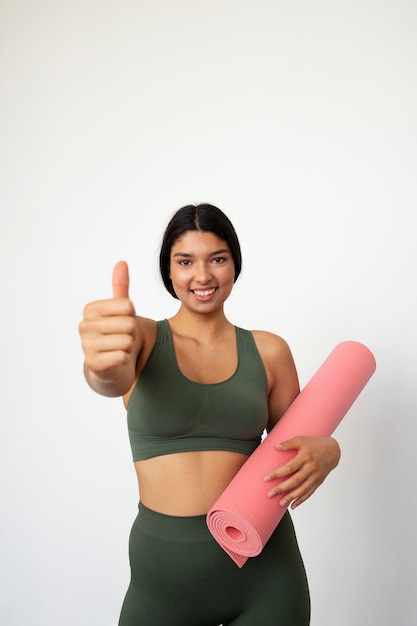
column 202, row 217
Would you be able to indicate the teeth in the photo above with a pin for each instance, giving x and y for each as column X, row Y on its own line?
column 205, row 293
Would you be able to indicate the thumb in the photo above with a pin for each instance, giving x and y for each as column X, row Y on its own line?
column 121, row 280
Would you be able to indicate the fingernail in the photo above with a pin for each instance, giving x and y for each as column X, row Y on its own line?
column 271, row 494
column 266, row 478
column 283, row 502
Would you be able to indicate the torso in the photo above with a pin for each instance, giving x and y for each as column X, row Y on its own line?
column 189, row 483
column 186, row 483
column 207, row 364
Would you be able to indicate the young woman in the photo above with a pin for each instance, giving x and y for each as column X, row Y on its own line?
column 199, row 392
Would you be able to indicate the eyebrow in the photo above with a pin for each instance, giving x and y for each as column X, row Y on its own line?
column 215, row 253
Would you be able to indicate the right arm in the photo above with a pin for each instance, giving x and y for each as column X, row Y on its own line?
column 112, row 339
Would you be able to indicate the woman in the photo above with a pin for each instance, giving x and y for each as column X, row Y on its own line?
column 199, row 393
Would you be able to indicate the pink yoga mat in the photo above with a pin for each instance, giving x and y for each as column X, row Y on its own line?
column 244, row 517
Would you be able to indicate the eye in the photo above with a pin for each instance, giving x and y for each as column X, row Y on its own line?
column 184, row 262
column 218, row 259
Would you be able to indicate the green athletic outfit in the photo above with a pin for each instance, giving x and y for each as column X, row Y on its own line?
column 180, row 576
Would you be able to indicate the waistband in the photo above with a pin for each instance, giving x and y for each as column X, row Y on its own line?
column 172, row 528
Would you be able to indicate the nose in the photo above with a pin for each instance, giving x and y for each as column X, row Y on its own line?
column 203, row 273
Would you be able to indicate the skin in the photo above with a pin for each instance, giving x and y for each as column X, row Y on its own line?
column 117, row 343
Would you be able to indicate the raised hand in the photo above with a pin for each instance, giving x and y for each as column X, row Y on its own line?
column 108, row 332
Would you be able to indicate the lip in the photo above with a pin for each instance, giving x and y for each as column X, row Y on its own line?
column 204, row 294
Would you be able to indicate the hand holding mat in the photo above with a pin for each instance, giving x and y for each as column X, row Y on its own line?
column 244, row 517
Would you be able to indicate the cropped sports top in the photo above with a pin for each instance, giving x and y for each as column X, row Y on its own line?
column 168, row 412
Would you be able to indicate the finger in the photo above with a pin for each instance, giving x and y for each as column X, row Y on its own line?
column 105, row 361
column 291, row 444
column 108, row 308
column 297, row 488
column 109, row 343
column 298, row 498
column 291, row 492
column 120, row 280
column 289, row 463
column 119, row 322
column 286, row 469
column 290, row 483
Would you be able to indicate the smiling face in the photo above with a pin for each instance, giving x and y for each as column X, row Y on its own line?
column 202, row 270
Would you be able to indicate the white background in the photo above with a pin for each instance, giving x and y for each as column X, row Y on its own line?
column 298, row 119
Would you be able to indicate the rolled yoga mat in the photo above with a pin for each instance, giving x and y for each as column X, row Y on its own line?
column 244, row 517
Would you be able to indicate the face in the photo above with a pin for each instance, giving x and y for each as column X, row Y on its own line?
column 202, row 270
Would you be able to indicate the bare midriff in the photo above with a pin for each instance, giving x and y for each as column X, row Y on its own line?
column 186, row 483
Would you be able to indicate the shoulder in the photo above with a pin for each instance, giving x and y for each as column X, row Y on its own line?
column 277, row 358
column 144, row 341
column 271, row 346
column 146, row 333
column 146, row 324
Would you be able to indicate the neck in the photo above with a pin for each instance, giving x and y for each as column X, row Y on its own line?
column 210, row 325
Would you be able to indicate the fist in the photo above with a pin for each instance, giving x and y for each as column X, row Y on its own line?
column 108, row 329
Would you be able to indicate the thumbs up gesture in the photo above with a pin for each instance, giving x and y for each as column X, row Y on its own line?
column 108, row 333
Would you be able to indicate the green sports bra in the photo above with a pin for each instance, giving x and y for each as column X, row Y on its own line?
column 168, row 412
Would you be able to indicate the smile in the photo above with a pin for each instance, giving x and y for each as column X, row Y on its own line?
column 204, row 293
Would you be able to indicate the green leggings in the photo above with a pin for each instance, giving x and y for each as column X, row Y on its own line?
column 180, row 576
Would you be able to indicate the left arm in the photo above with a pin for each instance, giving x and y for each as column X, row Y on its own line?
column 315, row 457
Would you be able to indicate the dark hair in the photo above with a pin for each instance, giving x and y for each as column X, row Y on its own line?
column 203, row 217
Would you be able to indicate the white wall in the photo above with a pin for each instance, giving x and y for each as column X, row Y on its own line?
column 298, row 119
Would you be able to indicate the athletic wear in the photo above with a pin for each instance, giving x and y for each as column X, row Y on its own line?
column 169, row 413
column 182, row 577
